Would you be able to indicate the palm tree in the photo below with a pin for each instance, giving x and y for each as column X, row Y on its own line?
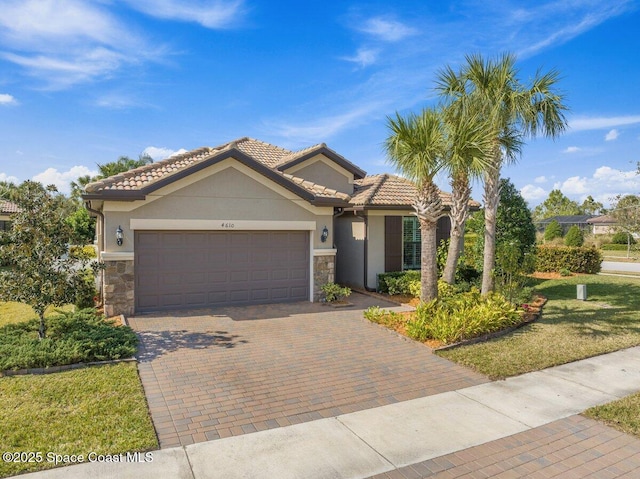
column 416, row 146
column 515, row 111
column 469, row 142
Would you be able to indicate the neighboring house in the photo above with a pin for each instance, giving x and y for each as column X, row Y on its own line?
column 602, row 225
column 6, row 210
column 566, row 222
column 248, row 223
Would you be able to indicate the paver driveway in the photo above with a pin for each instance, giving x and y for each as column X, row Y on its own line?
column 215, row 373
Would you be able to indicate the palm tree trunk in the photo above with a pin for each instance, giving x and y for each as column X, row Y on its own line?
column 461, row 193
column 428, row 208
column 491, row 200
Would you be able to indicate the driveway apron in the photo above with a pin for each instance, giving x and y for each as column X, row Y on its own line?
column 215, row 373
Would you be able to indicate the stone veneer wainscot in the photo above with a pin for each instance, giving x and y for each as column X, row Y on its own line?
column 324, row 267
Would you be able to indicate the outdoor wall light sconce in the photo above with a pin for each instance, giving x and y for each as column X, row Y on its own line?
column 324, row 235
column 119, row 235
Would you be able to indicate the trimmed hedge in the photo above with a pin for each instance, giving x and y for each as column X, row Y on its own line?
column 621, row 238
column 616, row 247
column 576, row 260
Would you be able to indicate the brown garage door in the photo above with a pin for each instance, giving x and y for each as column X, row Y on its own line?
column 189, row 269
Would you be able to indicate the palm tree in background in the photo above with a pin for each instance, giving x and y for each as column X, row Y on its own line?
column 514, row 111
column 416, row 146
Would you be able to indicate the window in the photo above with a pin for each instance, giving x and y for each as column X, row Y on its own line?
column 410, row 242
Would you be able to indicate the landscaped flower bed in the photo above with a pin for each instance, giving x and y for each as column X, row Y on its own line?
column 458, row 317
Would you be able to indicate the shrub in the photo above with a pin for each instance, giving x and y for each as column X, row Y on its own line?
column 86, row 290
column 621, row 238
column 574, row 237
column 576, row 260
column 335, row 292
column 462, row 316
column 564, row 272
column 76, row 337
column 552, row 231
column 387, row 318
column 82, row 252
column 398, row 282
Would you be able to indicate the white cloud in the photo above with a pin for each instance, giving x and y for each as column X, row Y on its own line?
column 62, row 179
column 210, row 14
column 161, row 153
column 9, row 178
column 540, row 179
column 612, row 135
column 601, row 123
column 64, row 42
column 532, row 193
column 6, row 99
column 604, row 184
column 363, row 57
column 572, row 149
column 386, row 29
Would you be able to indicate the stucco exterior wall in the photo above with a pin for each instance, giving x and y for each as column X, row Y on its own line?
column 325, row 172
column 227, row 195
column 350, row 234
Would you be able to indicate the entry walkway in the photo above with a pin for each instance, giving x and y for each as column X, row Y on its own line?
column 525, row 426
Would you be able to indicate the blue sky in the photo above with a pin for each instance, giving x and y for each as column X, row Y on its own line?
column 84, row 82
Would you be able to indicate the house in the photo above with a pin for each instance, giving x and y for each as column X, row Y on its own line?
column 602, row 225
column 566, row 222
column 248, row 222
column 7, row 208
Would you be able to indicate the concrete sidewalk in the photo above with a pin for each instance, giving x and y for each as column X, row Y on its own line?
column 387, row 440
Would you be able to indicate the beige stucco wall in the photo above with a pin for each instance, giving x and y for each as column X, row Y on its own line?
column 226, row 192
column 325, row 172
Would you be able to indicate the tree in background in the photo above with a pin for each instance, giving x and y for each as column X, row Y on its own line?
column 416, row 146
column 83, row 225
column 42, row 273
column 592, row 207
column 574, row 237
column 553, row 231
column 556, row 204
column 626, row 211
column 122, row 164
column 514, row 225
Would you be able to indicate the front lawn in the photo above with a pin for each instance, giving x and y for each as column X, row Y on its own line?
column 99, row 409
column 568, row 330
column 622, row 414
column 12, row 312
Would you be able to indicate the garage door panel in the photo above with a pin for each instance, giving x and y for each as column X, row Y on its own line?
column 195, row 269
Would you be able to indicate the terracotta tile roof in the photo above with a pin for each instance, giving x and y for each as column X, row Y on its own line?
column 316, row 189
column 376, row 190
column 146, row 175
column 389, row 190
column 7, row 207
column 265, row 153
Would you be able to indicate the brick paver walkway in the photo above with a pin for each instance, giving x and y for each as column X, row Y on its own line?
column 571, row 448
column 230, row 371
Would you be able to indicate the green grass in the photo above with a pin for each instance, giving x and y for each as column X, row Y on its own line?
column 569, row 329
column 99, row 409
column 622, row 414
column 12, row 312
